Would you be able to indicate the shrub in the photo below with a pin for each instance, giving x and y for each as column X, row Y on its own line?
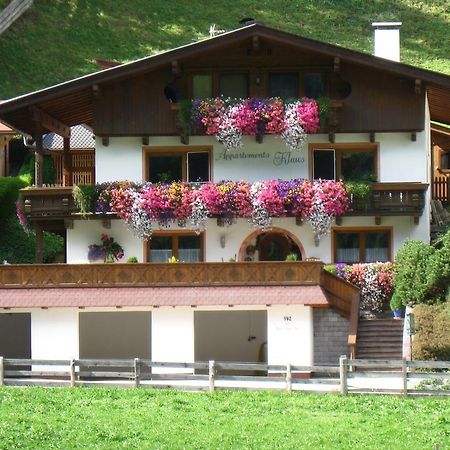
column 85, row 197
column 19, row 248
column 9, row 193
column 432, row 339
column 410, row 275
column 132, row 260
column 48, row 169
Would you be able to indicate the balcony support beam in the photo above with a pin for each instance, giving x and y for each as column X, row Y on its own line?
column 39, row 157
column 39, row 251
column 49, row 122
column 67, row 163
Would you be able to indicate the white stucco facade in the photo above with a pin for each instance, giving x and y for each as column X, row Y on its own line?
column 400, row 159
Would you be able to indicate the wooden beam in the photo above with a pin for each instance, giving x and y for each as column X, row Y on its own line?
column 176, row 71
column 96, row 91
column 417, row 87
column 337, row 64
column 331, row 138
column 372, row 136
column 67, row 163
column 39, row 157
column 39, row 251
column 145, row 140
column 105, row 141
column 414, row 136
column 49, row 122
column 255, row 44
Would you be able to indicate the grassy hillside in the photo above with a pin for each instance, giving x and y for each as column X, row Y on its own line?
column 59, row 39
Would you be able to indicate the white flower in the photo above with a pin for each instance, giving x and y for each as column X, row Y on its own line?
column 139, row 221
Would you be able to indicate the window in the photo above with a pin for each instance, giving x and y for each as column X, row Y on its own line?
column 177, row 165
column 233, row 85
column 186, row 247
column 314, row 85
column 352, row 246
column 202, row 85
column 345, row 161
column 283, row 85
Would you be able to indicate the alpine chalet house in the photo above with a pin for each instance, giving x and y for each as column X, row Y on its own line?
column 226, row 190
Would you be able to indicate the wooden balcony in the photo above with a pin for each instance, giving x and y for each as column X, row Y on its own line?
column 48, row 202
column 391, row 199
column 385, row 199
column 304, row 273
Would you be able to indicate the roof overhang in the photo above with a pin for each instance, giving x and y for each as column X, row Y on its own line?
column 164, row 296
column 71, row 102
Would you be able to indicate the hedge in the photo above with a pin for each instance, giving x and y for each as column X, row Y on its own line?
column 432, row 339
column 9, row 193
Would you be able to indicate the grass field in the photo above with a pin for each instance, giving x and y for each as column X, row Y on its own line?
column 60, row 39
column 42, row 418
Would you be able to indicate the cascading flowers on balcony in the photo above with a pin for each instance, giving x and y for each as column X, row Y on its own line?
column 228, row 119
column 318, row 202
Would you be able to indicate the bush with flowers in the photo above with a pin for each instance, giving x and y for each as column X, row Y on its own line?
column 109, row 250
column 229, row 119
column 375, row 281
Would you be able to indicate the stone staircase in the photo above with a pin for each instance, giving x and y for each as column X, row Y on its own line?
column 380, row 339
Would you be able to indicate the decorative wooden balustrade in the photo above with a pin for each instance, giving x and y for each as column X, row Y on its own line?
column 391, row 199
column 48, row 202
column 441, row 188
column 302, row 273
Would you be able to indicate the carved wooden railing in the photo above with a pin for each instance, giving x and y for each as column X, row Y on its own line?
column 48, row 202
column 151, row 274
column 344, row 298
column 391, row 199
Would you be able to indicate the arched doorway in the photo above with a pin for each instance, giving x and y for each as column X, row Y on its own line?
column 272, row 245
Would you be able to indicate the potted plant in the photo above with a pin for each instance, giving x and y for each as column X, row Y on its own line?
column 397, row 307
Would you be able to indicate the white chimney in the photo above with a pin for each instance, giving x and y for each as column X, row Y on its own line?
column 387, row 40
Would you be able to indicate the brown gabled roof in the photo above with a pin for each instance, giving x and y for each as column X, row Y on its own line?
column 72, row 101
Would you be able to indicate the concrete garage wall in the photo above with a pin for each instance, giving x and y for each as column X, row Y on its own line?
column 125, row 334
column 15, row 335
column 224, row 335
column 330, row 336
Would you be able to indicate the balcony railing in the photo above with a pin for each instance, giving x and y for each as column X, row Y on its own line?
column 304, row 273
column 385, row 199
column 391, row 199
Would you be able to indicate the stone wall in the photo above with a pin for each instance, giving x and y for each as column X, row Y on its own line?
column 330, row 336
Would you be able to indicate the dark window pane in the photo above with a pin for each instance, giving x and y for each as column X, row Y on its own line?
column 198, row 166
column 314, row 85
column 323, row 164
column 445, row 160
column 234, row 85
column 189, row 248
column 160, row 248
column 347, row 247
column 202, row 86
column 358, row 166
column 283, row 85
column 377, row 246
column 165, row 168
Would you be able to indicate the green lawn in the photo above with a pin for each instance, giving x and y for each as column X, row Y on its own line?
column 59, row 39
column 113, row 418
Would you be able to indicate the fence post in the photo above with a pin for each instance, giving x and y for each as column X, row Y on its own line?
column 2, row 371
column 211, row 375
column 72, row 373
column 343, row 368
column 288, row 378
column 137, row 372
column 405, row 376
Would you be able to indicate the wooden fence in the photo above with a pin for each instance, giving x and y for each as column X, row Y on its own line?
column 441, row 189
column 347, row 377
